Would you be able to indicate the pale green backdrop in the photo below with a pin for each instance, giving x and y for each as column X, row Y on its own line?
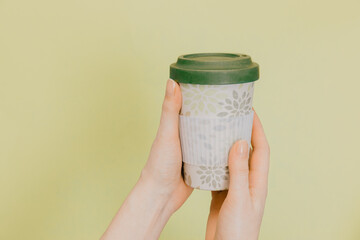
column 81, row 87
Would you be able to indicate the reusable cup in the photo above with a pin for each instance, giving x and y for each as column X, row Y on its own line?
column 217, row 93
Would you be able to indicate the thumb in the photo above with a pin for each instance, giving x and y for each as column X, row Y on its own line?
column 239, row 167
column 169, row 120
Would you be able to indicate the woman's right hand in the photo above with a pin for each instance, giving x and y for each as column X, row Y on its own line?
column 237, row 213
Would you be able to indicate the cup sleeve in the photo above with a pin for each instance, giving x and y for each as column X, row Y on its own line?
column 205, row 145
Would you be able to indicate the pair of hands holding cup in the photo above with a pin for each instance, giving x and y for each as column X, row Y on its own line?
column 161, row 190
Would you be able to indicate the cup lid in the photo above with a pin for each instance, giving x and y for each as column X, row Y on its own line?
column 214, row 69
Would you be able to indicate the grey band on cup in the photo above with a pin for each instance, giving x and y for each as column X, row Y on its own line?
column 206, row 141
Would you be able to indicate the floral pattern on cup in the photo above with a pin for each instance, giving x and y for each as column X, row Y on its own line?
column 216, row 100
column 237, row 105
column 200, row 98
column 212, row 176
column 206, row 177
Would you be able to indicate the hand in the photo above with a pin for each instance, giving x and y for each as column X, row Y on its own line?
column 237, row 213
column 163, row 167
column 160, row 190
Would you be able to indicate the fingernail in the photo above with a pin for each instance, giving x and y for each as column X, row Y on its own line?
column 242, row 148
column 170, row 87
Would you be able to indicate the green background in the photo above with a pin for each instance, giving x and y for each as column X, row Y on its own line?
column 81, row 87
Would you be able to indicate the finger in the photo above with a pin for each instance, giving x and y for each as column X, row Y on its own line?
column 258, row 138
column 169, row 120
column 239, row 167
column 217, row 200
column 259, row 161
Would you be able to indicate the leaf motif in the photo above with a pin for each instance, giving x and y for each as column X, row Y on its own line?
column 236, row 104
column 202, row 176
column 235, row 94
column 199, row 172
column 193, row 106
column 248, row 100
column 222, row 114
column 228, row 107
column 219, row 172
column 208, row 179
column 228, row 101
column 187, row 102
column 243, row 95
column 203, row 168
column 197, row 97
column 189, row 94
column 214, row 183
column 242, row 104
column 189, row 180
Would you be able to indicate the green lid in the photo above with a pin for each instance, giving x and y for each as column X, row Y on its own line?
column 214, row 68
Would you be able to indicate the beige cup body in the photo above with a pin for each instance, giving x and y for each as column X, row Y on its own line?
column 209, row 117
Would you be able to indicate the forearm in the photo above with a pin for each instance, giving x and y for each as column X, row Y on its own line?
column 143, row 214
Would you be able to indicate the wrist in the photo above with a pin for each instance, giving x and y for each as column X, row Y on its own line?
column 143, row 214
column 158, row 185
column 155, row 193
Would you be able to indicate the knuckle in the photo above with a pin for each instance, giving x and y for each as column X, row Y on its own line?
column 243, row 172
